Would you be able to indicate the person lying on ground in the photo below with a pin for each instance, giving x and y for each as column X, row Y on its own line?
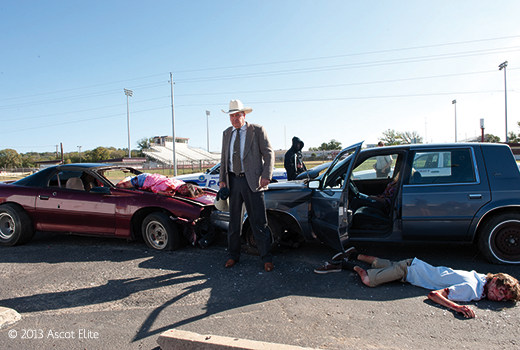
column 449, row 286
column 160, row 184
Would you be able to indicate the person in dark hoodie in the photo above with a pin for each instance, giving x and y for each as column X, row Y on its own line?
column 293, row 162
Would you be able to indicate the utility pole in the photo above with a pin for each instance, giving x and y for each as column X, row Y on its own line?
column 79, row 151
column 207, row 123
column 482, row 129
column 128, row 93
column 173, row 130
column 454, row 102
column 503, row 65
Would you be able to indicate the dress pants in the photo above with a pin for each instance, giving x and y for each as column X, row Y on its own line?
column 255, row 205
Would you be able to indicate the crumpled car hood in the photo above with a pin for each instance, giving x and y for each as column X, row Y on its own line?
column 286, row 195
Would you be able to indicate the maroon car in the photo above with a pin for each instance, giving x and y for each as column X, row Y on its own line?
column 80, row 199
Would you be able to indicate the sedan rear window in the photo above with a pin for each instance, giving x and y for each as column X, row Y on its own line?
column 453, row 166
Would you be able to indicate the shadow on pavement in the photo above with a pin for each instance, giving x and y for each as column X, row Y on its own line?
column 245, row 284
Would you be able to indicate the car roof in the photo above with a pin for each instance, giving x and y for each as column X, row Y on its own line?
column 85, row 165
column 419, row 146
column 37, row 178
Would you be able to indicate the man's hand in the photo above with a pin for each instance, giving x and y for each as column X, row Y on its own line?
column 221, row 184
column 264, row 182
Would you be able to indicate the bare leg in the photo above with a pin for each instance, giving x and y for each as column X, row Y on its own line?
column 366, row 258
column 363, row 274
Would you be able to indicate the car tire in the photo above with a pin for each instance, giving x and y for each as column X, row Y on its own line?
column 499, row 240
column 159, row 232
column 275, row 228
column 15, row 225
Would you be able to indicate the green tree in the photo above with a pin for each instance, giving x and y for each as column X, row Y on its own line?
column 99, row 153
column 491, row 138
column 143, row 144
column 9, row 158
column 409, row 137
column 29, row 159
column 391, row 137
column 514, row 138
column 332, row 145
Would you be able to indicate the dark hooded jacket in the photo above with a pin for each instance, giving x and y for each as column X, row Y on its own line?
column 293, row 162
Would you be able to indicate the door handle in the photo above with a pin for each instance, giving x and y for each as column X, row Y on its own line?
column 475, row 196
column 44, row 198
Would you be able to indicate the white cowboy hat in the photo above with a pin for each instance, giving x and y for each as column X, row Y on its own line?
column 221, row 204
column 236, row 106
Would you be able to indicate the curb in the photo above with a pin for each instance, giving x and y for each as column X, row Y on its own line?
column 8, row 317
column 183, row 340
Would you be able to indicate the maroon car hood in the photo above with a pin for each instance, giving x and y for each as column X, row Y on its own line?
column 208, row 198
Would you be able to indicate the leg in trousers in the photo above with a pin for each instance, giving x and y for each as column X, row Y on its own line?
column 255, row 206
column 385, row 271
column 235, row 218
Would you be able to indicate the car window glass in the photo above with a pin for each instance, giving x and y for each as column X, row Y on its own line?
column 377, row 167
column 114, row 175
column 59, row 179
column 455, row 166
column 335, row 178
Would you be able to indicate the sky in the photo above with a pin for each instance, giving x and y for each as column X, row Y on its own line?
column 319, row 70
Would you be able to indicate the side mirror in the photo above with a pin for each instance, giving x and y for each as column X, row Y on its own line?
column 207, row 171
column 101, row 190
column 313, row 184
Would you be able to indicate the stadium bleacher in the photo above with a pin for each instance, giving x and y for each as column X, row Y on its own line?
column 163, row 153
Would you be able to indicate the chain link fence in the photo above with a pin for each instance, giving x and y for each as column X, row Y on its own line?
column 183, row 167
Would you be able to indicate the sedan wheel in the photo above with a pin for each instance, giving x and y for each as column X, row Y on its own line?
column 159, row 232
column 500, row 239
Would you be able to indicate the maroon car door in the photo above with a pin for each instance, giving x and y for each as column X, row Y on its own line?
column 70, row 210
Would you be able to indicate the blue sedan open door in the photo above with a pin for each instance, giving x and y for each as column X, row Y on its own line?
column 329, row 213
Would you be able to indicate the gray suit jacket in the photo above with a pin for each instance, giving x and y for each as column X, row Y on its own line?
column 258, row 158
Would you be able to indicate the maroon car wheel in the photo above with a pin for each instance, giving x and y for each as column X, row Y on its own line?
column 15, row 225
column 159, row 232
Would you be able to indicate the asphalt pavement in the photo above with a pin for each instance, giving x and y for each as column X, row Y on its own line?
column 97, row 293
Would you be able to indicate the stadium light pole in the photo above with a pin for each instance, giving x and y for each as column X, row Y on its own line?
column 503, row 65
column 454, row 102
column 174, row 159
column 128, row 93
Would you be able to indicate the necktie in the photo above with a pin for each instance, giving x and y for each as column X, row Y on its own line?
column 237, row 161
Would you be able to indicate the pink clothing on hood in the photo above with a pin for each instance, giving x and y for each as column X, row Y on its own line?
column 160, row 183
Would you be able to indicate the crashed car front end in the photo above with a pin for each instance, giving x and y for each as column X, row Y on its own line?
column 287, row 203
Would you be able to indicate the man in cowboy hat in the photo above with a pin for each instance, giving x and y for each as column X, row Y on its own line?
column 246, row 167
